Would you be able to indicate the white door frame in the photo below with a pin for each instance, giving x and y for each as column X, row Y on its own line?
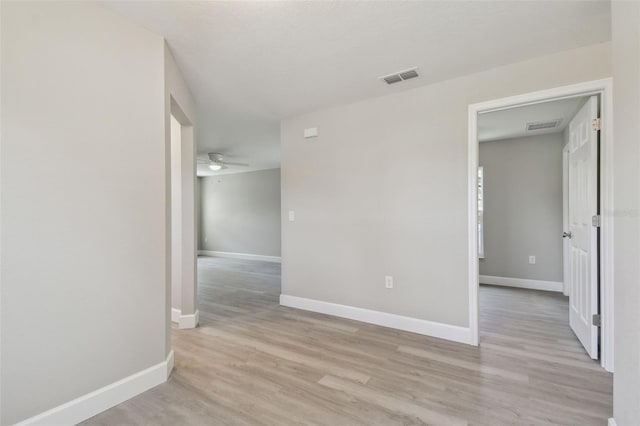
column 597, row 87
column 186, row 261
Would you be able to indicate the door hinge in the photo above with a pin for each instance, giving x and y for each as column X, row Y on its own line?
column 596, row 124
column 596, row 320
column 596, row 220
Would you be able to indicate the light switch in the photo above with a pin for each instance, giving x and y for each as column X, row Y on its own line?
column 532, row 260
column 292, row 216
column 388, row 281
column 311, row 132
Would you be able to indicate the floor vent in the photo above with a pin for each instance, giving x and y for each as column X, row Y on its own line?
column 541, row 125
column 399, row 76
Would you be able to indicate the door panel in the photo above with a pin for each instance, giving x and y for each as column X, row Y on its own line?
column 583, row 245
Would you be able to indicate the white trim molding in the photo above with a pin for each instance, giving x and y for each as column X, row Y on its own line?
column 189, row 321
column 611, row 422
column 522, row 283
column 603, row 88
column 185, row 321
column 245, row 256
column 428, row 328
column 86, row 406
column 169, row 363
column 175, row 315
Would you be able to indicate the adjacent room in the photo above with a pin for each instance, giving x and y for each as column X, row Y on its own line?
column 238, row 240
column 533, row 185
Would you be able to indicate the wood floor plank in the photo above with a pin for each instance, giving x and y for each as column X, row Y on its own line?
column 253, row 362
column 400, row 405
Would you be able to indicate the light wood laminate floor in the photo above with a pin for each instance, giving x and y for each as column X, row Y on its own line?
column 252, row 362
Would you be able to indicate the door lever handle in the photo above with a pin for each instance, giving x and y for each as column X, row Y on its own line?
column 567, row 235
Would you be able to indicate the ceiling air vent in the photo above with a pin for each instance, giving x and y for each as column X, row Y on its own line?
column 399, row 76
column 390, row 79
column 406, row 75
column 542, row 125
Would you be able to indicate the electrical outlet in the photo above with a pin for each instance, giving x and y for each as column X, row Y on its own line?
column 532, row 260
column 388, row 281
column 292, row 216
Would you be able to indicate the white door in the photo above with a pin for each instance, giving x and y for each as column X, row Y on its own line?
column 583, row 235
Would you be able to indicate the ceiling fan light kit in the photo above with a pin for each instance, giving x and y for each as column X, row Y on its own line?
column 216, row 162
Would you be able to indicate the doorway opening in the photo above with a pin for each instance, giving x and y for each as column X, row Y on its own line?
column 516, row 226
column 183, row 275
column 239, row 243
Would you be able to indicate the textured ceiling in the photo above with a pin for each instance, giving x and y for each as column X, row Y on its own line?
column 250, row 64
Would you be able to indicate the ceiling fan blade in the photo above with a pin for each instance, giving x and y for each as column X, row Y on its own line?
column 228, row 163
column 201, row 161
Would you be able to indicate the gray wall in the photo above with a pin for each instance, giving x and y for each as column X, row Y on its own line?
column 83, row 225
column 523, row 207
column 240, row 213
column 626, row 116
column 392, row 197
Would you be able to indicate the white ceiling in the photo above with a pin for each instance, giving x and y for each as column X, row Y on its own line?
column 250, row 64
column 512, row 123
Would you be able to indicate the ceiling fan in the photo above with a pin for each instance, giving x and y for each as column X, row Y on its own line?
column 216, row 162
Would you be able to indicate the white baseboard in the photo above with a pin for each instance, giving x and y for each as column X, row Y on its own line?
column 611, row 422
column 245, row 256
column 189, row 321
column 185, row 321
column 414, row 325
column 86, row 406
column 175, row 315
column 170, row 362
column 522, row 283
